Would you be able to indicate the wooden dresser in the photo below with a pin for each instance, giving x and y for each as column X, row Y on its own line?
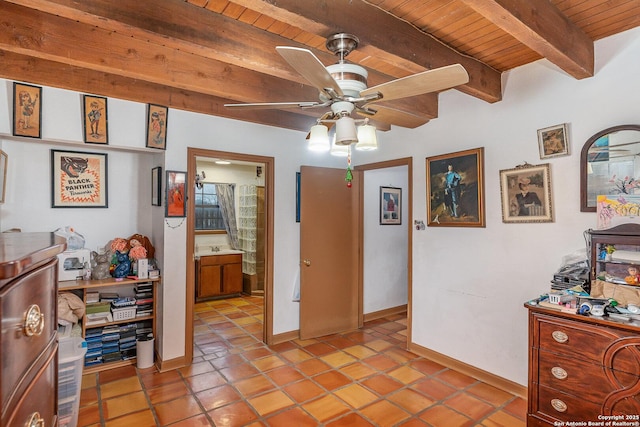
column 28, row 343
column 582, row 369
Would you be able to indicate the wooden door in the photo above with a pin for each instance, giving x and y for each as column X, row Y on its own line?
column 329, row 272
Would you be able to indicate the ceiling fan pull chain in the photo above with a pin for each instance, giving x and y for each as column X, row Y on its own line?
column 349, row 176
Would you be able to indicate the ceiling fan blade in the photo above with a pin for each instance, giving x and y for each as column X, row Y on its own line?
column 310, row 67
column 275, row 105
column 428, row 81
column 395, row 117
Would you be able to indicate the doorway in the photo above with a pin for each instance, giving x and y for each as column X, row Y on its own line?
column 267, row 165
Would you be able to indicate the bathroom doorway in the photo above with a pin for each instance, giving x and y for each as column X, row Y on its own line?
column 258, row 206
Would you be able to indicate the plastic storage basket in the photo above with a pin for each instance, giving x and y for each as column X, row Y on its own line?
column 71, row 353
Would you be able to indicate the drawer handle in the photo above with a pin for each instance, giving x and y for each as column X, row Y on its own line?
column 559, row 373
column 560, row 336
column 558, row 405
column 35, row 420
column 33, row 321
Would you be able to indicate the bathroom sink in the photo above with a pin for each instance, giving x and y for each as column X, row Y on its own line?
column 223, row 251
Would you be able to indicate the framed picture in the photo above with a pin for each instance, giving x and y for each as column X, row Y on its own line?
column 390, row 206
column 455, row 189
column 4, row 160
column 297, row 196
column 157, row 117
column 78, row 180
column 525, row 192
column 27, row 110
column 156, row 186
column 94, row 119
column 553, row 141
column 176, row 194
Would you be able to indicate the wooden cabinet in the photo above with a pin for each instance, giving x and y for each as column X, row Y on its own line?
column 218, row 275
column 134, row 319
column 28, row 343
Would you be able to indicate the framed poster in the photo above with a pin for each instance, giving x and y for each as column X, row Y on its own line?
column 27, row 110
column 94, row 113
column 156, row 186
column 78, row 180
column 390, row 206
column 553, row 141
column 525, row 192
column 176, row 194
column 455, row 189
column 157, row 117
column 4, row 160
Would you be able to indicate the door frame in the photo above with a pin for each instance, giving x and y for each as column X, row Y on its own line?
column 269, row 168
column 405, row 161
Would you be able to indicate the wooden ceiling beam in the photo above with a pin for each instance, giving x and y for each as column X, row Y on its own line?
column 382, row 35
column 178, row 25
column 32, row 70
column 544, row 29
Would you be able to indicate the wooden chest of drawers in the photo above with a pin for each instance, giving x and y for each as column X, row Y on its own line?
column 28, row 343
column 581, row 368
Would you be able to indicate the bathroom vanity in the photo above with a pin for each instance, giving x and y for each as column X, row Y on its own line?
column 218, row 275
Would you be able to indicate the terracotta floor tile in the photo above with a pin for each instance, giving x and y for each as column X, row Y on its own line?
column 296, row 355
column 88, row 396
column 284, row 375
column 360, row 351
column 120, row 373
column 283, row 347
column 400, row 355
column 517, row 407
column 90, row 380
column 331, row 380
column 427, row 367
column 358, row 371
column 502, row 419
column 238, row 372
column 379, row 345
column 257, row 353
column 326, row 408
column 254, row 385
column 268, row 363
column 351, row 420
column 216, row 397
column 406, row 375
column 312, row 367
column 196, row 369
column 197, row 421
column 440, row 415
column 383, row 413
column 139, row 419
column 410, row 400
column 382, row 384
column 356, row 395
column 490, row 394
column 155, row 378
column 167, row 392
column 434, row 388
column 125, row 404
column 381, row 362
column 292, row 417
column 414, row 422
column 303, row 391
column 337, row 359
column 339, row 342
column 178, row 409
column 205, row 381
column 270, row 402
column 237, row 414
column 319, row 348
column 88, row 415
column 120, row 387
column 227, row 361
column 455, row 378
column 469, row 405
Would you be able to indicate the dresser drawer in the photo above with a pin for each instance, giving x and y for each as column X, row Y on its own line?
column 37, row 399
column 29, row 321
column 559, row 406
column 585, row 341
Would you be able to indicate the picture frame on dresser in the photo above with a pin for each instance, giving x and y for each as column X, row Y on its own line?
column 27, row 110
column 79, row 179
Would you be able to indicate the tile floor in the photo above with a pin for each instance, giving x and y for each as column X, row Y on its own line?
column 361, row 378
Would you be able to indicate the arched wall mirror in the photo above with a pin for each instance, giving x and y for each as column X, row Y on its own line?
column 609, row 160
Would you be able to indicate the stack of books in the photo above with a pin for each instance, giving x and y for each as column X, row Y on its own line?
column 144, row 299
column 111, row 343
column 128, row 341
column 93, row 356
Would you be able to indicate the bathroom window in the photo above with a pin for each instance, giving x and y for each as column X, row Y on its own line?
column 207, row 210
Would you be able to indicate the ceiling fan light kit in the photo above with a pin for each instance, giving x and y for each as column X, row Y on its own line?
column 319, row 138
column 367, row 139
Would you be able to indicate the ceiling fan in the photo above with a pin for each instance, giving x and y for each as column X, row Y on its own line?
column 343, row 86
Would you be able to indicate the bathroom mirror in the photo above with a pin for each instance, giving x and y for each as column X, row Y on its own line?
column 609, row 165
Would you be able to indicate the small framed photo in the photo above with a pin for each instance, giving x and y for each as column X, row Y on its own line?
column 525, row 192
column 455, row 189
column 553, row 141
column 78, row 180
column 297, row 196
column 27, row 110
column 176, row 194
column 390, row 206
column 94, row 113
column 157, row 117
column 4, row 161
column 156, row 186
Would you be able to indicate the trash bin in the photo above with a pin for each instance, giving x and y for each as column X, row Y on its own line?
column 71, row 351
column 144, row 351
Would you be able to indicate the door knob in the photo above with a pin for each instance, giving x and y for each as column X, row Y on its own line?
column 306, row 262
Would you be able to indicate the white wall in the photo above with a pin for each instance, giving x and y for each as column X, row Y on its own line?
column 385, row 246
column 469, row 284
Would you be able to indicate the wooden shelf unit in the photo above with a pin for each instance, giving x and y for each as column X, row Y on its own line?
column 111, row 285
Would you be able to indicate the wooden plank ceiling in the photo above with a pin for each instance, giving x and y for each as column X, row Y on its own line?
column 197, row 55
